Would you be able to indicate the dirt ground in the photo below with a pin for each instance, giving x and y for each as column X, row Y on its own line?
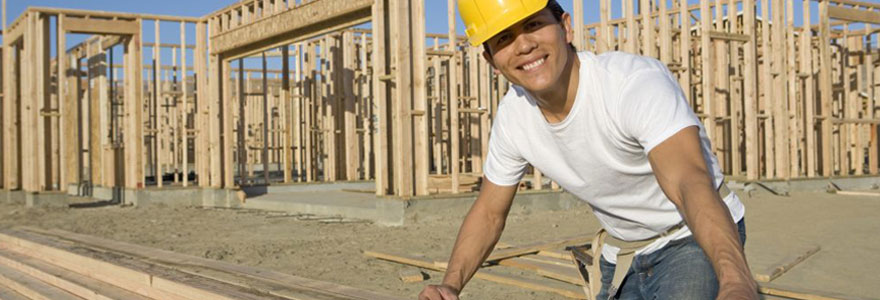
column 846, row 228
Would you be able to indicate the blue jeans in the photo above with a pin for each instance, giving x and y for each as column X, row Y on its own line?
column 678, row 271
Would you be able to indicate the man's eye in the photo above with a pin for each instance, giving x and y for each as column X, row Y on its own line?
column 533, row 24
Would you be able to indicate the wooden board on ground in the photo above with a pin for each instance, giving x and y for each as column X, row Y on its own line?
column 74, row 283
column 485, row 274
column 535, row 247
column 803, row 294
column 206, row 266
column 789, row 262
column 858, row 193
column 146, row 279
column 552, row 271
column 31, row 287
column 7, row 293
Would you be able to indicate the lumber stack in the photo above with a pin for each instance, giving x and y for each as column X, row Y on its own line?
column 38, row 264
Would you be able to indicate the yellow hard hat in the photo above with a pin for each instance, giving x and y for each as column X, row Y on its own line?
column 483, row 19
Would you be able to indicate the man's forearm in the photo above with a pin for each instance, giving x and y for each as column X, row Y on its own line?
column 709, row 220
column 478, row 234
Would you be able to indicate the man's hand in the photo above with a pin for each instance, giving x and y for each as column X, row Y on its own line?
column 438, row 292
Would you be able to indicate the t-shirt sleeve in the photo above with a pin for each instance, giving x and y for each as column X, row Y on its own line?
column 504, row 165
column 653, row 108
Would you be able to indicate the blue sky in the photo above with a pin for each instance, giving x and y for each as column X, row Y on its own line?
column 436, row 18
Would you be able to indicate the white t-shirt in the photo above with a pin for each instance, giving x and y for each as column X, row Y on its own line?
column 625, row 106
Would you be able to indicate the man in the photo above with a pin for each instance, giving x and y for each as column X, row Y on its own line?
column 616, row 131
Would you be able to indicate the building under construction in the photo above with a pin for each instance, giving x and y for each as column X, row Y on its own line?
column 339, row 101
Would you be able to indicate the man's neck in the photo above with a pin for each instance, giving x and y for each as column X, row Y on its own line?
column 556, row 103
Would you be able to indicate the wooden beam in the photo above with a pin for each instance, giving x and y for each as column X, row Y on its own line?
column 98, row 26
column 853, row 15
column 303, row 22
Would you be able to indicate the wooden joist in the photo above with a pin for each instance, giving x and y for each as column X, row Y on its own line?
column 98, row 26
column 854, row 15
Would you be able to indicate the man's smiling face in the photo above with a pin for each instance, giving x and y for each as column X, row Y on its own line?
column 532, row 53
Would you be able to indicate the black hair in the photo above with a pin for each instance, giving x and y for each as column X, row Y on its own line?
column 557, row 12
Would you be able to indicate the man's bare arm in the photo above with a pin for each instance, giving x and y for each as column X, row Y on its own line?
column 479, row 232
column 683, row 175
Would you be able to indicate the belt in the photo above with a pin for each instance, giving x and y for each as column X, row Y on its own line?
column 628, row 251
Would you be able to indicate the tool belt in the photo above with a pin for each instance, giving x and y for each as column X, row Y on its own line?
column 624, row 257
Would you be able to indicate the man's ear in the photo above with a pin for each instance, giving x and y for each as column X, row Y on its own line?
column 488, row 58
column 567, row 27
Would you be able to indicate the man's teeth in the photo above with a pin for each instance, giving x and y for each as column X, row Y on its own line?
column 533, row 65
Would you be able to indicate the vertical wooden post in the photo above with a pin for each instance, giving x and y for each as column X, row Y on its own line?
column 767, row 86
column 825, row 86
column 10, row 113
column 380, row 69
column 873, row 94
column 420, row 97
column 721, row 91
column 809, row 94
column 69, row 110
column 779, row 94
column 647, row 28
column 298, row 131
column 708, row 72
column 735, row 93
column 665, row 34
column 41, row 96
column 685, row 50
column 453, row 97
column 750, row 90
column 578, row 19
column 632, row 34
column 287, row 107
column 158, row 99
column 794, row 139
column 184, row 107
column 203, row 152
column 603, row 41
column 227, row 122
column 133, row 136
column 403, row 131
column 265, row 128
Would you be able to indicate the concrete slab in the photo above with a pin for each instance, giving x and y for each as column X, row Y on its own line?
column 45, row 199
column 391, row 211
column 13, row 197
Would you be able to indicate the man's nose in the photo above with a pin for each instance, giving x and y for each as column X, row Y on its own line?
column 524, row 43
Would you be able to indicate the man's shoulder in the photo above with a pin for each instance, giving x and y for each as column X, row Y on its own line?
column 624, row 64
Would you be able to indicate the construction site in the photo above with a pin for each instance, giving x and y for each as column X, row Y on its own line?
column 330, row 149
